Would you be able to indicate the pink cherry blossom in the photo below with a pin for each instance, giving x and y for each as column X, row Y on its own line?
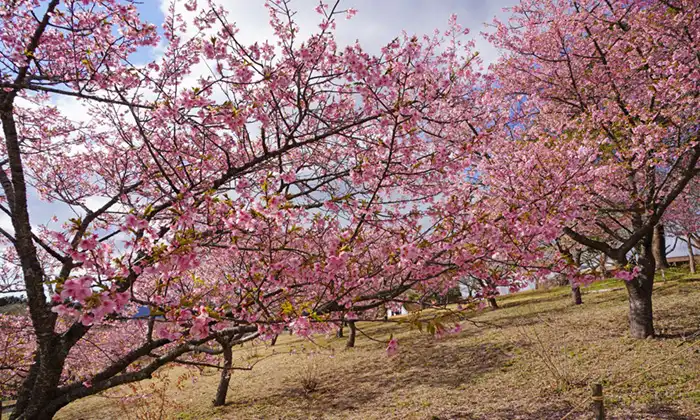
column 392, row 347
column 77, row 288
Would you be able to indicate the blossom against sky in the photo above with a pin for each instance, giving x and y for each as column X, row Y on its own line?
column 376, row 23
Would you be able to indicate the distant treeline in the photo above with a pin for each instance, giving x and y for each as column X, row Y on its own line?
column 11, row 300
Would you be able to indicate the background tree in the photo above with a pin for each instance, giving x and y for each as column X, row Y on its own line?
column 659, row 247
column 602, row 125
column 683, row 219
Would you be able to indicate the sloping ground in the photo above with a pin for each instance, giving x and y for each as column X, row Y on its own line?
column 535, row 359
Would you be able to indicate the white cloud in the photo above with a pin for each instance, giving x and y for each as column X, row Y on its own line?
column 377, row 23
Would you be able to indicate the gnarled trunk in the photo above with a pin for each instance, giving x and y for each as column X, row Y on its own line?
column 351, row 337
column 576, row 294
column 35, row 401
column 492, row 303
column 222, row 390
column 639, row 291
column 41, row 384
column 339, row 333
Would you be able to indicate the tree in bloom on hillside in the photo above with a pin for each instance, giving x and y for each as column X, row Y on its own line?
column 601, row 127
column 312, row 170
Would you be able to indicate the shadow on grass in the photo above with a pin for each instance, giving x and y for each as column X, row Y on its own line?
column 423, row 362
column 661, row 411
column 549, row 297
column 682, row 335
column 557, row 410
column 548, row 411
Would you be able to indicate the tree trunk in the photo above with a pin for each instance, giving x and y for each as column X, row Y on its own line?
column 695, row 239
column 25, row 391
column 659, row 247
column 351, row 337
column 492, row 303
column 576, row 294
column 221, row 392
column 339, row 333
column 639, row 291
column 274, row 340
column 691, row 254
column 40, row 386
column 603, row 268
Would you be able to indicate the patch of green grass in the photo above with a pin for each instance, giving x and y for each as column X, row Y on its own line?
column 610, row 283
column 679, row 273
column 693, row 396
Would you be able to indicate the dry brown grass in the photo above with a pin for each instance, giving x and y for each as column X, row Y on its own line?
column 537, row 362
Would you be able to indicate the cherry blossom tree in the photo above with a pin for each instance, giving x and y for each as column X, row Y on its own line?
column 683, row 219
column 229, row 190
column 601, row 128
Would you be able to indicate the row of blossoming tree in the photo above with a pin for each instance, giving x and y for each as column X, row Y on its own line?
column 224, row 191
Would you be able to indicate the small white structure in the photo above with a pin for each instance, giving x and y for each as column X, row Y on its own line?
column 502, row 290
column 400, row 311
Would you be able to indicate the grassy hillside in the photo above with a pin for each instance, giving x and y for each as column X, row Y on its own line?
column 533, row 358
